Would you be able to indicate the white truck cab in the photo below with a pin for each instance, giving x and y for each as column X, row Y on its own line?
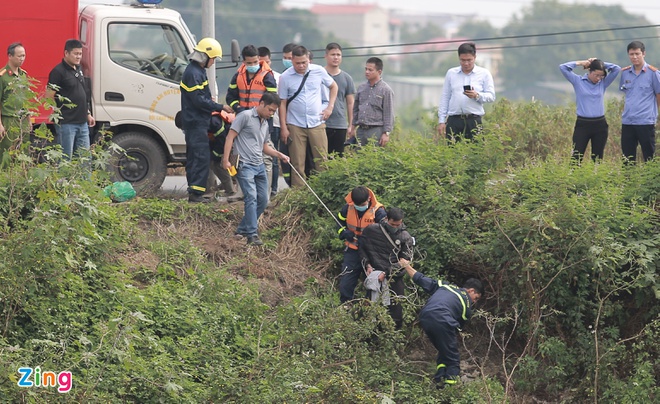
column 136, row 56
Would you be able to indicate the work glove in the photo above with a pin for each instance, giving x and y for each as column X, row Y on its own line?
column 347, row 235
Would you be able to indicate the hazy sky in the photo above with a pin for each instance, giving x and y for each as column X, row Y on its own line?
column 498, row 12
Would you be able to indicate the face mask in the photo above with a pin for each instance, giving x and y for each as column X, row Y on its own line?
column 391, row 229
column 287, row 63
column 252, row 69
column 361, row 208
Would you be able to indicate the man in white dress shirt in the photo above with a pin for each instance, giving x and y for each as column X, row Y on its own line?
column 465, row 91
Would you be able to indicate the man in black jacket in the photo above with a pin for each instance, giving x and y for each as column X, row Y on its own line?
column 196, row 107
column 382, row 245
column 448, row 308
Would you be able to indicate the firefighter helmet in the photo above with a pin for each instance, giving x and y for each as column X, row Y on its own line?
column 210, row 47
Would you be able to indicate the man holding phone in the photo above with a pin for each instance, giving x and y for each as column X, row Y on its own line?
column 466, row 88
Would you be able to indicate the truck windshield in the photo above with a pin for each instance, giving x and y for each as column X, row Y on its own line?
column 152, row 49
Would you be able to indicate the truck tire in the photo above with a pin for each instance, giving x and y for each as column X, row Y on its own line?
column 143, row 163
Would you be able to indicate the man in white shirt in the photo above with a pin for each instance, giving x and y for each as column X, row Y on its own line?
column 466, row 88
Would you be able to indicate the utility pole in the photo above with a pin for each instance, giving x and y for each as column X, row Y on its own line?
column 208, row 30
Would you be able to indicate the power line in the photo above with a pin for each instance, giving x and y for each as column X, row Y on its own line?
column 500, row 38
column 493, row 47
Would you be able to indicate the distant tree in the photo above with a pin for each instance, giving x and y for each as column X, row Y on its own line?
column 257, row 22
column 477, row 29
column 411, row 33
column 531, row 60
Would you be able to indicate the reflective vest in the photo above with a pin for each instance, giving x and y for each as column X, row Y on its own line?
column 357, row 224
column 462, row 296
column 250, row 94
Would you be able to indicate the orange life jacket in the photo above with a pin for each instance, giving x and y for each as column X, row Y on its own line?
column 250, row 94
column 357, row 224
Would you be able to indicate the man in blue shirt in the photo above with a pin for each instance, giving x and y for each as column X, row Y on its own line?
column 448, row 308
column 640, row 82
column 465, row 91
column 302, row 115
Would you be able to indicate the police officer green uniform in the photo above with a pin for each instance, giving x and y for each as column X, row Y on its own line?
column 14, row 119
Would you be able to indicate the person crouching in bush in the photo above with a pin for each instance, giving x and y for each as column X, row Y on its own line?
column 448, row 308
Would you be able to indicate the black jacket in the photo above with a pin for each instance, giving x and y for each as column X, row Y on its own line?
column 448, row 303
column 376, row 250
column 196, row 101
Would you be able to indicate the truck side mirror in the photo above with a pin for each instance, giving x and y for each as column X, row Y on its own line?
column 235, row 51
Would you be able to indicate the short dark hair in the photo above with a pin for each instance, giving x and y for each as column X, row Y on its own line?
column 636, row 45
column 395, row 214
column 270, row 98
column 263, row 51
column 288, row 47
column 598, row 64
column 377, row 62
column 467, row 48
column 331, row 46
column 12, row 48
column 474, row 283
column 72, row 44
column 359, row 195
column 249, row 51
column 299, row 50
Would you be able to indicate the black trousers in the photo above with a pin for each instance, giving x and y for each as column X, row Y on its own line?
column 589, row 129
column 397, row 288
column 632, row 135
column 463, row 127
column 336, row 139
column 198, row 158
column 443, row 337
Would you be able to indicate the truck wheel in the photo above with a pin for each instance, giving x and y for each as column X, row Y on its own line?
column 143, row 164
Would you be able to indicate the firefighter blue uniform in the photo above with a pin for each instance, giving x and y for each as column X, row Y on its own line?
column 196, row 108
column 448, row 308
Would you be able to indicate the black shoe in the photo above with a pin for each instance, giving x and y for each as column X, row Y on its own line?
column 254, row 240
column 196, row 198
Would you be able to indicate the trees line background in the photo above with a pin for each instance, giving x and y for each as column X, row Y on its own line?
column 526, row 62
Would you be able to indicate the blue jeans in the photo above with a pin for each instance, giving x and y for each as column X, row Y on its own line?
column 254, row 185
column 72, row 137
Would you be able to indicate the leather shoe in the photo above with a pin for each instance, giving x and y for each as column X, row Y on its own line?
column 195, row 198
column 254, row 240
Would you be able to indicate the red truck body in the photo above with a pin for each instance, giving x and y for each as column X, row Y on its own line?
column 42, row 26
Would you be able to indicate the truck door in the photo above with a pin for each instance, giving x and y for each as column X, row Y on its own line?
column 140, row 82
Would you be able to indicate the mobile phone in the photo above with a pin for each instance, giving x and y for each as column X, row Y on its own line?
column 467, row 88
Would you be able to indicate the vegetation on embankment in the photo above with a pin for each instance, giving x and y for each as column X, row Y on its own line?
column 153, row 301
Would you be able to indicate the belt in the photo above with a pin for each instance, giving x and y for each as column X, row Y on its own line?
column 465, row 116
column 584, row 118
column 369, row 126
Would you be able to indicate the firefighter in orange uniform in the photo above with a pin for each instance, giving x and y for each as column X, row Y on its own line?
column 361, row 209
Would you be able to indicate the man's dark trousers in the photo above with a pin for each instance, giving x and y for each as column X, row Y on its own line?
column 631, row 135
column 463, row 126
column 198, row 157
column 351, row 272
column 443, row 338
